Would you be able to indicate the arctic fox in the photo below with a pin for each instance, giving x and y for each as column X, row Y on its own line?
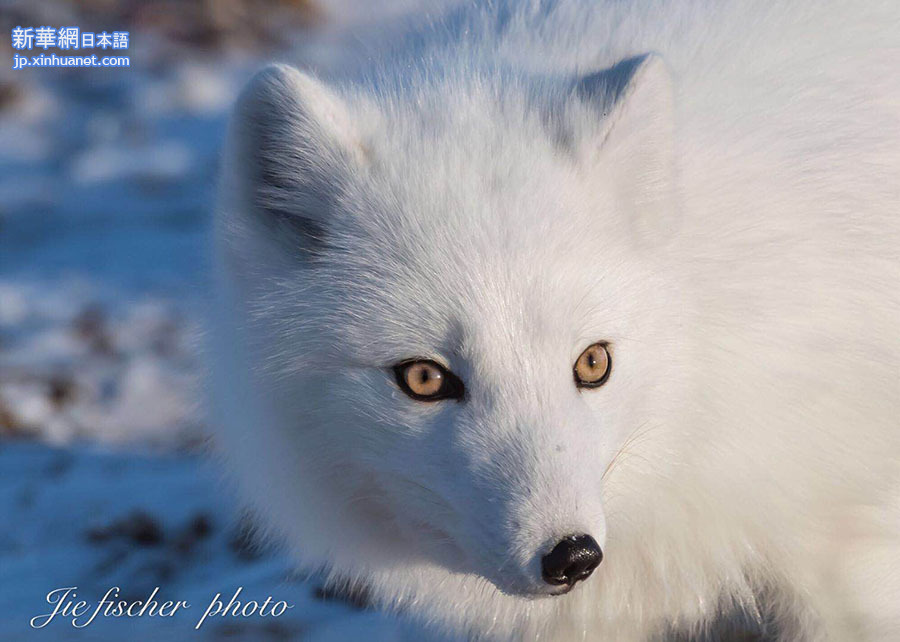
column 579, row 320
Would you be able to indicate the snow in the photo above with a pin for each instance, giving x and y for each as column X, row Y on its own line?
column 95, row 520
column 163, row 160
column 71, row 371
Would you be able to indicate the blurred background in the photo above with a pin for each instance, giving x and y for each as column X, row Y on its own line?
column 107, row 179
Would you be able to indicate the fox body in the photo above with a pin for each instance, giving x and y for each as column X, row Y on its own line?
column 709, row 191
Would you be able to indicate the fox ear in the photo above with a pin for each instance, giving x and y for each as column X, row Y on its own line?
column 636, row 135
column 292, row 139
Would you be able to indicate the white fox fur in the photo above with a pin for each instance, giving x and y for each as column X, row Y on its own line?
column 723, row 207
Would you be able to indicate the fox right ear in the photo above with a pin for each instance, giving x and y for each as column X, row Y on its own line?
column 292, row 139
column 635, row 100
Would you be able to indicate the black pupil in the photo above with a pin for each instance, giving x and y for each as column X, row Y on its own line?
column 592, row 363
column 424, row 375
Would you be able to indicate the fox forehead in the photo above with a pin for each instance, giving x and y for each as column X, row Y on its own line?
column 437, row 264
column 494, row 191
column 451, row 294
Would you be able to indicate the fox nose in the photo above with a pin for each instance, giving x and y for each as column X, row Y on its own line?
column 571, row 560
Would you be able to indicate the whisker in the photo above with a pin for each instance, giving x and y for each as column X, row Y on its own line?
column 637, row 434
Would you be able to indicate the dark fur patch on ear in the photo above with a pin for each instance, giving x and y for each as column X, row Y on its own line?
column 602, row 90
column 286, row 185
column 296, row 232
column 283, row 201
column 607, row 86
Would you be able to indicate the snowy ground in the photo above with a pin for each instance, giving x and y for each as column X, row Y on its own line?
column 106, row 183
column 85, row 518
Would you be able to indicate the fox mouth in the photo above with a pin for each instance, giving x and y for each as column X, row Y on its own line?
column 533, row 593
column 565, row 589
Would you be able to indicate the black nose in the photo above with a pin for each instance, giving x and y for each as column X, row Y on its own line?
column 573, row 559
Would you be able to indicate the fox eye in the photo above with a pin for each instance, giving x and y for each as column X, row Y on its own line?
column 427, row 380
column 592, row 368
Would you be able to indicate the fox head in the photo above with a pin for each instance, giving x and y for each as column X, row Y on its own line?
column 452, row 329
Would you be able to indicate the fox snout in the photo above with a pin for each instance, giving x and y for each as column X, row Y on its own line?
column 541, row 544
column 532, row 516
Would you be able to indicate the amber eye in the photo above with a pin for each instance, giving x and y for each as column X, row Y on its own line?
column 427, row 380
column 593, row 366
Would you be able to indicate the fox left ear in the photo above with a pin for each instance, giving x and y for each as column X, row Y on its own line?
column 636, row 135
column 292, row 140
